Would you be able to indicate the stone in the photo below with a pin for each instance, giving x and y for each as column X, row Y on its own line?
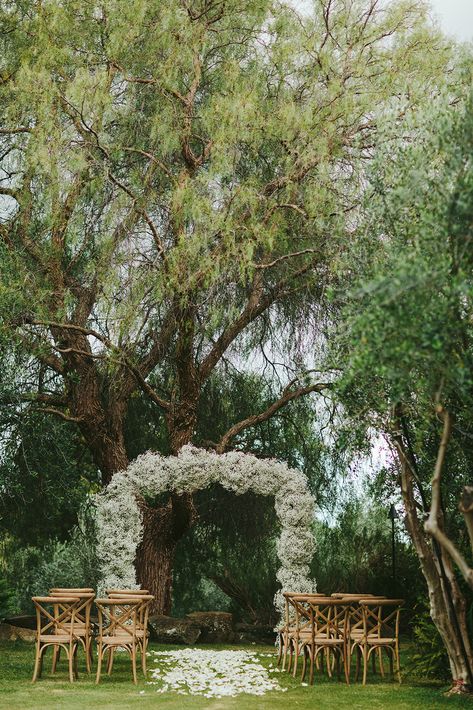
column 167, row 629
column 16, row 633
column 216, row 626
column 26, row 621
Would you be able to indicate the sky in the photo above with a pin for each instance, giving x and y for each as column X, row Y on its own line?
column 455, row 16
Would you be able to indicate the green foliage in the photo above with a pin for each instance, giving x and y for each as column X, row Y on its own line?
column 34, row 570
column 212, row 561
column 6, row 598
column 45, row 476
column 353, row 553
column 429, row 659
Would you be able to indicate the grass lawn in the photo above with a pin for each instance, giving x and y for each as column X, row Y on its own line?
column 51, row 692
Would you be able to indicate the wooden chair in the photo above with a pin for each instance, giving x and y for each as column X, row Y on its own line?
column 287, row 630
column 82, row 626
column 142, row 622
column 118, row 626
column 55, row 628
column 326, row 635
column 356, row 624
column 127, row 592
column 380, row 630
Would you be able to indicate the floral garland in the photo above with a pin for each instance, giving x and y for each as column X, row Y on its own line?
column 119, row 522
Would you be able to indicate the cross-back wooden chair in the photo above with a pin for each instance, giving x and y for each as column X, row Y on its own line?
column 118, row 626
column 55, row 619
column 356, row 624
column 327, row 635
column 380, row 631
column 142, row 621
column 82, row 626
column 287, row 630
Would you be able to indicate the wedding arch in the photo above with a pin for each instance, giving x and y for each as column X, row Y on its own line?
column 119, row 521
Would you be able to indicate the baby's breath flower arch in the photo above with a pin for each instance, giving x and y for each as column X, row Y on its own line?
column 119, row 521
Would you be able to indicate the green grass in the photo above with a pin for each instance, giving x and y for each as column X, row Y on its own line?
column 117, row 691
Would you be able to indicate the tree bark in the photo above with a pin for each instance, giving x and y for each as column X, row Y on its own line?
column 447, row 603
column 163, row 527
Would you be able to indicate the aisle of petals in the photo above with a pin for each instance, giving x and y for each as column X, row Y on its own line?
column 213, row 674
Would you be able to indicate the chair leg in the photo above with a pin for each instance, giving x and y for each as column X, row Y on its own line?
column 391, row 661
column 398, row 665
column 99, row 662
column 346, row 664
column 110, row 660
column 91, row 652
column 56, row 657
column 70, row 657
column 143, row 657
column 87, row 654
column 37, row 664
column 365, row 662
column 327, row 656
column 311, row 670
column 289, row 661
column 304, row 665
column 133, row 664
column 296, row 660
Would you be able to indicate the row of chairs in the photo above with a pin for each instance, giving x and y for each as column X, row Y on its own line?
column 64, row 622
column 318, row 627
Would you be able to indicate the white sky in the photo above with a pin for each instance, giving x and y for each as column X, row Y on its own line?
column 455, row 16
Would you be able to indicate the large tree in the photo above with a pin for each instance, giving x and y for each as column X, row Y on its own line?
column 177, row 179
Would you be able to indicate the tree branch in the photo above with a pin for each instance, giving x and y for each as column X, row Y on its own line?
column 432, row 525
column 255, row 306
column 114, row 348
column 253, row 420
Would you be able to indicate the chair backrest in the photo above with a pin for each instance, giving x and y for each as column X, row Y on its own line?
column 143, row 612
column 303, row 616
column 62, row 618
column 349, row 595
column 73, row 590
column 329, row 617
column 127, row 592
column 381, row 617
column 119, row 617
column 291, row 609
column 84, row 603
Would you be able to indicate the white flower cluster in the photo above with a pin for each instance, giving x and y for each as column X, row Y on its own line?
column 213, row 674
column 119, row 523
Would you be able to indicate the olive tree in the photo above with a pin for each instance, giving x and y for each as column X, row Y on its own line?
column 407, row 348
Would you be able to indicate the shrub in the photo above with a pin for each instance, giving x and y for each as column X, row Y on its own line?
column 430, row 659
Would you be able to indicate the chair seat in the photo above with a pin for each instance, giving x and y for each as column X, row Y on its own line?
column 55, row 638
column 373, row 640
column 117, row 639
column 324, row 641
column 79, row 631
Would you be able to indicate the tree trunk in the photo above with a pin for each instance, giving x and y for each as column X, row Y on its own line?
column 163, row 527
column 447, row 604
